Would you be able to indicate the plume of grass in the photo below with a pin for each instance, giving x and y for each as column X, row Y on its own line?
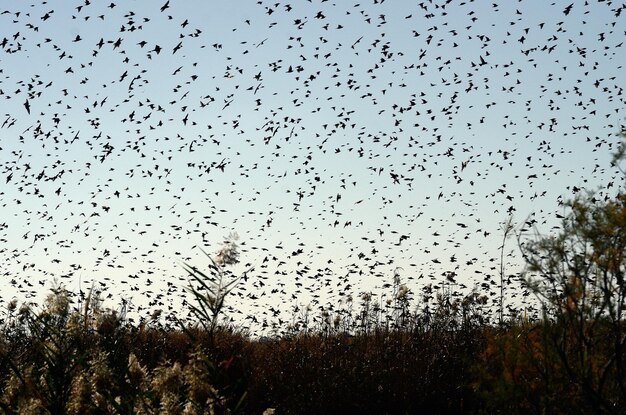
column 209, row 289
column 54, row 355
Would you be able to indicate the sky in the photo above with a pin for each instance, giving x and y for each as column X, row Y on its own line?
column 343, row 142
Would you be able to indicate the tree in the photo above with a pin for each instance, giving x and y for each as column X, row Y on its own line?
column 578, row 278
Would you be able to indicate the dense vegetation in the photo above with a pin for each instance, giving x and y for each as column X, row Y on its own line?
column 447, row 356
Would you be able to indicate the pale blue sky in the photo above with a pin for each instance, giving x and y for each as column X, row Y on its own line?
column 427, row 120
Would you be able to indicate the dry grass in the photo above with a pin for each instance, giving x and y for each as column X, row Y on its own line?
column 62, row 360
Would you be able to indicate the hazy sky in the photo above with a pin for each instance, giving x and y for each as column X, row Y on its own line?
column 340, row 140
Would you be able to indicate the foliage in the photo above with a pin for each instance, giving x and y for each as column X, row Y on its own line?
column 209, row 292
column 444, row 357
column 578, row 276
column 108, row 365
column 572, row 360
column 211, row 289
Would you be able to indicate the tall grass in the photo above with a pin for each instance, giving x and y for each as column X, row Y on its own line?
column 449, row 355
column 62, row 359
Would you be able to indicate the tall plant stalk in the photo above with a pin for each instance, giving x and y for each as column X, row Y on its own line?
column 210, row 289
column 506, row 228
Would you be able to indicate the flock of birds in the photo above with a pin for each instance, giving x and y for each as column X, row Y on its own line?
column 341, row 141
